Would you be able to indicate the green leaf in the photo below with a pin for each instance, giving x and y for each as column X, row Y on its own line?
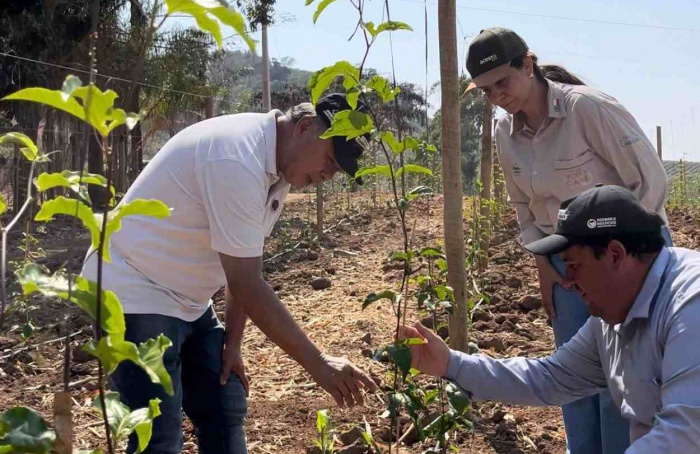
column 431, row 253
column 321, row 6
column 138, row 207
column 386, row 294
column 441, row 264
column 401, row 256
column 408, row 143
column 457, row 400
column 71, row 207
column 418, row 191
column 413, row 168
column 148, row 355
column 370, row 27
column 323, row 78
column 413, row 341
column 350, row 124
column 27, row 146
column 27, row 330
column 400, row 354
column 321, row 420
column 381, row 170
column 69, row 179
column 101, row 113
column 123, row 422
column 23, row 430
column 392, row 25
column 308, row 2
column 3, row 204
column 445, row 293
column 52, row 98
column 201, row 9
column 34, row 278
column 383, row 88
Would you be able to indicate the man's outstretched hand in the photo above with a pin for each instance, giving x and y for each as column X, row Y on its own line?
column 341, row 379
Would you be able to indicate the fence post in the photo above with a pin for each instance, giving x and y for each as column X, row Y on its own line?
column 209, row 107
column 658, row 143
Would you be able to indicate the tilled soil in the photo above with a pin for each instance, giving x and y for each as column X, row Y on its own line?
column 352, row 258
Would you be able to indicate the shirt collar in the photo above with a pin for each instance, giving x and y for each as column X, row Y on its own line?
column 642, row 304
column 270, row 137
column 555, row 101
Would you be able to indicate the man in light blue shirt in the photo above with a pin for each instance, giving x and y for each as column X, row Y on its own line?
column 642, row 341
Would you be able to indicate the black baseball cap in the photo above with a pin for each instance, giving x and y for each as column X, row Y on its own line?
column 347, row 152
column 600, row 211
column 492, row 48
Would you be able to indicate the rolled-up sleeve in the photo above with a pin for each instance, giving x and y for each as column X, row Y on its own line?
column 572, row 372
column 618, row 139
column 677, row 426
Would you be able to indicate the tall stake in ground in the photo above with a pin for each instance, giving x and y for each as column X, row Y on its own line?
column 486, row 164
column 452, row 173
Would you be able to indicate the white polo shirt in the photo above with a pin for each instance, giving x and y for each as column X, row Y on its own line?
column 587, row 138
column 219, row 177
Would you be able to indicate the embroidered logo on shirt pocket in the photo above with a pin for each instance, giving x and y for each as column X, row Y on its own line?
column 574, row 170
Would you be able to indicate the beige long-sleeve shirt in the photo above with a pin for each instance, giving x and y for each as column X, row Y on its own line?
column 588, row 138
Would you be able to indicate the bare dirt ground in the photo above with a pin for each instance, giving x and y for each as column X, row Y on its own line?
column 284, row 399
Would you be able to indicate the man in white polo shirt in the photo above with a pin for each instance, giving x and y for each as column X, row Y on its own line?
column 225, row 180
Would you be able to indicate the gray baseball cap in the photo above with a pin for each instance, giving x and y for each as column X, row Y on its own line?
column 492, row 48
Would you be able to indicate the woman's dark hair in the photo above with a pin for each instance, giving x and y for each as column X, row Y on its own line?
column 554, row 73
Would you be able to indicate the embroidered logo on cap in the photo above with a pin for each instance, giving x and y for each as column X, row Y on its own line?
column 563, row 215
column 492, row 57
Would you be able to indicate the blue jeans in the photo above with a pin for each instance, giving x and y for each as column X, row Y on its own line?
column 593, row 424
column 194, row 363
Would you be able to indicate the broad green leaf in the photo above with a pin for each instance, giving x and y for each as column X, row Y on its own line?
column 392, row 25
column 400, row 354
column 321, row 420
column 444, row 293
column 441, row 264
column 457, row 400
column 69, row 85
column 321, row 6
column 26, row 145
column 308, row 2
column 383, row 88
column 370, row 27
column 23, row 430
column 101, row 113
column 138, row 207
column 386, row 294
column 52, row 98
column 33, row 278
column 323, row 78
column 201, row 9
column 123, row 422
column 69, row 179
column 381, row 170
column 413, row 168
column 408, row 143
column 352, row 95
column 3, row 204
column 431, row 253
column 401, row 256
column 418, row 191
column 148, row 355
column 350, row 124
column 71, row 207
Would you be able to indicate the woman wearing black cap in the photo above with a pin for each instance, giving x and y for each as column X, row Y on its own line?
column 557, row 140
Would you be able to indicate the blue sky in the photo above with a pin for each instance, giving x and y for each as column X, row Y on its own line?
column 651, row 69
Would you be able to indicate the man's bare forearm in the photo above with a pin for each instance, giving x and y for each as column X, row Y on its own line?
column 236, row 318
column 266, row 310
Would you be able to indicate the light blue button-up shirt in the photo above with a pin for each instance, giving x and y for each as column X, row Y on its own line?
column 650, row 362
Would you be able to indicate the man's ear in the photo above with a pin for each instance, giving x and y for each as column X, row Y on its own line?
column 303, row 125
column 617, row 251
